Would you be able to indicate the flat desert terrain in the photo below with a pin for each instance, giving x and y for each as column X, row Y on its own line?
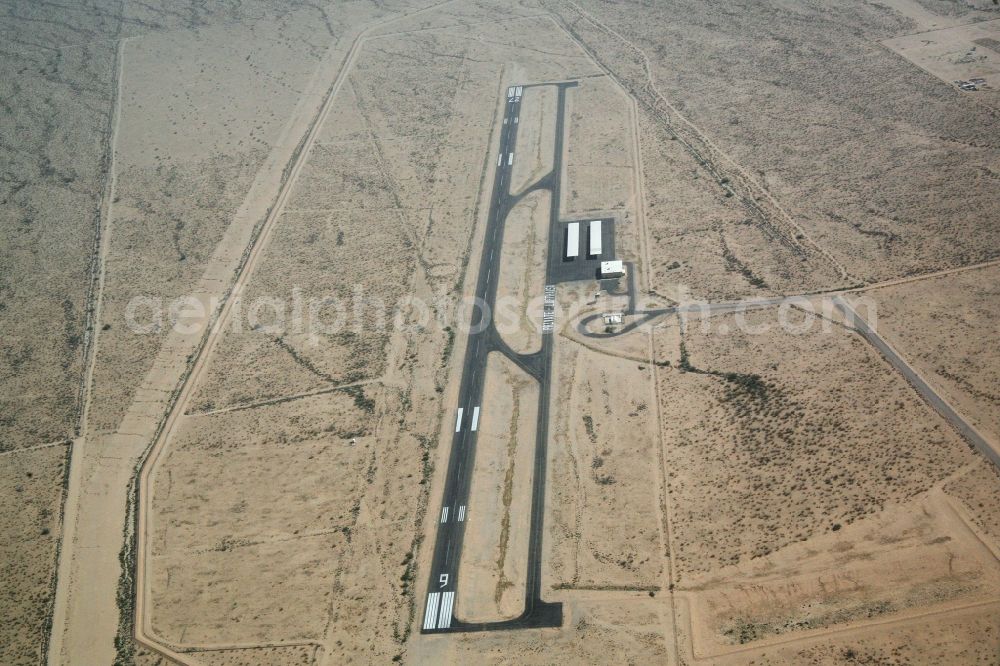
column 308, row 355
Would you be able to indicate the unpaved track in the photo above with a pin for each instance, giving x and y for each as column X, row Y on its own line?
column 738, row 169
column 54, row 653
column 86, row 613
column 143, row 629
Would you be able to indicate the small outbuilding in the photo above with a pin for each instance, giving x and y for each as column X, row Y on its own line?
column 612, row 269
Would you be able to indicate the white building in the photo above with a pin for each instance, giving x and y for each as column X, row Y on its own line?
column 572, row 240
column 595, row 238
column 612, row 269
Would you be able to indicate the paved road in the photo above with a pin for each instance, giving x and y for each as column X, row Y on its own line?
column 646, row 316
column 942, row 407
column 441, row 601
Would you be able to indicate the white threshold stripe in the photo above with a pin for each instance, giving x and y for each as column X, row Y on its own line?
column 461, row 513
column 446, row 603
column 444, row 515
column 430, row 616
column 515, row 119
column 475, row 419
column 510, row 159
column 458, row 421
column 499, row 159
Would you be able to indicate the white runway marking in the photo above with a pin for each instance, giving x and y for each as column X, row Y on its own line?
column 510, row 159
column 430, row 617
column 517, row 92
column 458, row 421
column 515, row 119
column 461, row 513
column 475, row 419
column 505, row 120
column 510, row 91
column 548, row 309
column 446, row 603
column 499, row 159
column 444, row 515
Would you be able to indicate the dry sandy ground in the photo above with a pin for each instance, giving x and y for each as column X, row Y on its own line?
column 604, row 523
column 808, row 432
column 31, row 498
column 958, row 54
column 799, row 111
column 599, row 164
column 193, row 236
column 915, row 558
column 607, row 526
column 57, row 80
column 395, row 177
column 518, row 315
column 614, row 628
column 946, row 327
column 495, row 550
column 783, row 499
column 252, row 509
column 800, row 502
column 194, row 160
column 292, row 655
column 536, row 135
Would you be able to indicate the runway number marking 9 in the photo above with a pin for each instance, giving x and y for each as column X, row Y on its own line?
column 443, row 580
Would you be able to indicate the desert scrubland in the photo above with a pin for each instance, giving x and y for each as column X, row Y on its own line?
column 535, row 138
column 519, row 288
column 492, row 576
column 384, row 206
column 807, row 120
column 713, row 495
column 808, row 432
column 31, row 503
column 605, row 523
column 939, row 326
column 58, row 83
column 195, row 165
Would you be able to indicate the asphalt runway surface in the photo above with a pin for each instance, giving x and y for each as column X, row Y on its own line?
column 441, row 600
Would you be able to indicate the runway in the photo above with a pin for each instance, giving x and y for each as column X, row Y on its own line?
column 441, row 600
